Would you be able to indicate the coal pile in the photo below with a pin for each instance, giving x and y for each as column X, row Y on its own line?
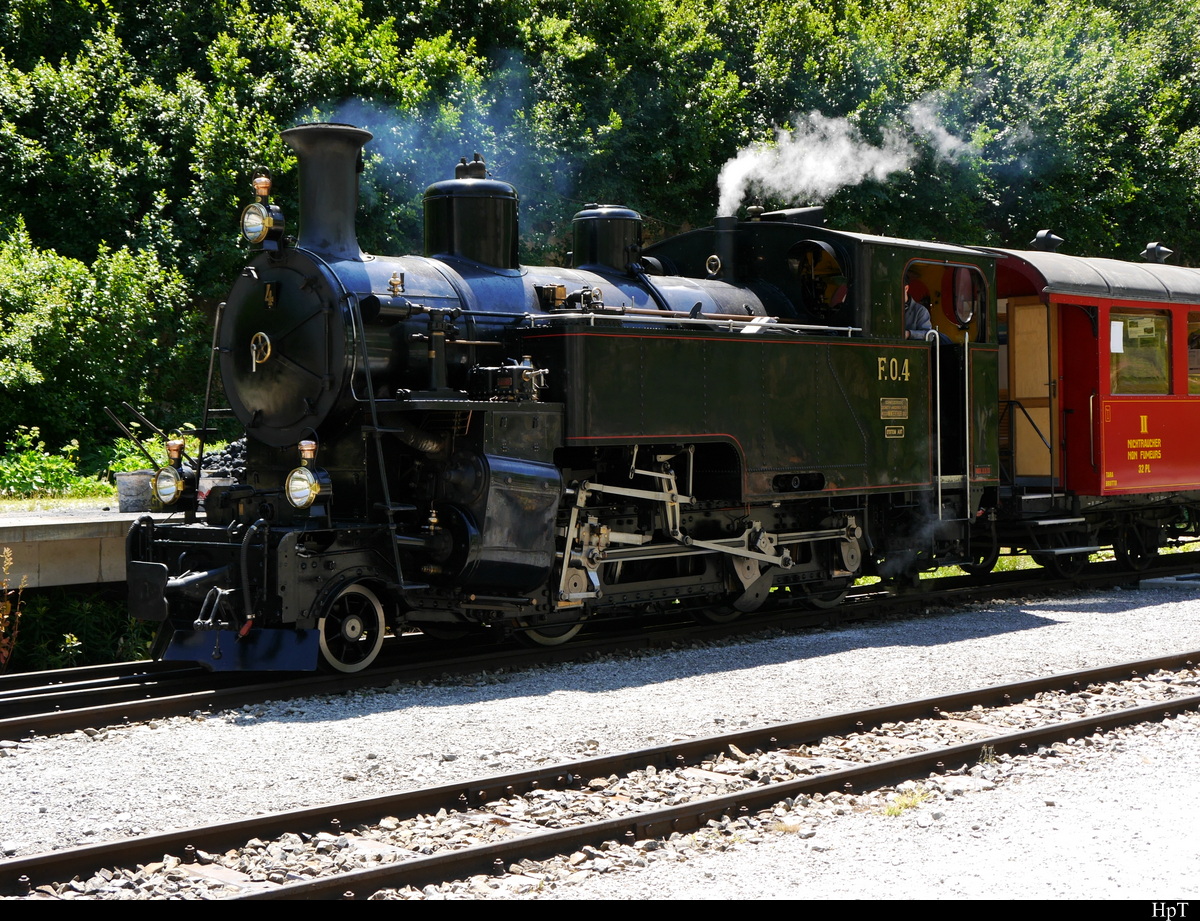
column 230, row 461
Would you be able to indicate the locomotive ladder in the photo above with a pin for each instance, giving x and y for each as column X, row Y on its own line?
column 377, row 433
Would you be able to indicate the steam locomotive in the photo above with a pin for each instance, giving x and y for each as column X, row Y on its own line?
column 731, row 416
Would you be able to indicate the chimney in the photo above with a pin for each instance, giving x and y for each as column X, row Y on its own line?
column 330, row 161
column 726, row 236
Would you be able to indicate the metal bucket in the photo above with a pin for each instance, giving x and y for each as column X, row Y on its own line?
column 133, row 490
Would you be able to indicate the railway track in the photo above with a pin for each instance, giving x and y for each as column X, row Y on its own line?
column 92, row 688
column 72, row 699
column 397, row 841
column 83, row 698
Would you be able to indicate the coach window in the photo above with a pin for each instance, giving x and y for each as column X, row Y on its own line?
column 1139, row 352
column 1193, row 350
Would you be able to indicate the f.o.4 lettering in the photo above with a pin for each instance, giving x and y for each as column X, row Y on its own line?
column 893, row 369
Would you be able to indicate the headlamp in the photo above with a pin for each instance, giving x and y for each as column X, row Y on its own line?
column 302, row 487
column 168, row 485
column 257, row 222
column 262, row 222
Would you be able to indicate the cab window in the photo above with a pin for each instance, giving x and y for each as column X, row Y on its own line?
column 950, row 298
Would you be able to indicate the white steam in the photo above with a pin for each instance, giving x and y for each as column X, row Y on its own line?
column 925, row 118
column 811, row 162
column 822, row 155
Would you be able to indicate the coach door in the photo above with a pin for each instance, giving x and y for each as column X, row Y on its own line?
column 1029, row 453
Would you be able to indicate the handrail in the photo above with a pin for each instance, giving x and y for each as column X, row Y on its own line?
column 360, row 333
column 1033, row 425
column 742, row 324
column 967, row 423
column 932, row 336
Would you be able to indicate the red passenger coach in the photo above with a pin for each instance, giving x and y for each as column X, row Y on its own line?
column 1100, row 401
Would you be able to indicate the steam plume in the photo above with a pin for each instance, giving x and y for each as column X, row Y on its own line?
column 925, row 118
column 811, row 162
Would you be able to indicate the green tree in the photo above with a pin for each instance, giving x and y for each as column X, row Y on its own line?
column 75, row 338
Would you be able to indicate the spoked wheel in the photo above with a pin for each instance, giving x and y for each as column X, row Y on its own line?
column 1132, row 549
column 982, row 559
column 715, row 614
column 444, row 631
column 548, row 634
column 756, row 590
column 1063, row 565
column 824, row 598
column 352, row 629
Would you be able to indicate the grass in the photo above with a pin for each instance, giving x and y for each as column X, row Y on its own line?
column 28, row 471
column 905, row 801
column 11, row 506
column 1009, row 563
column 1013, row 562
column 786, row 828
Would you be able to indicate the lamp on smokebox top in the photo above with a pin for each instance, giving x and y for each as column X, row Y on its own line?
column 306, row 482
column 262, row 221
column 169, row 482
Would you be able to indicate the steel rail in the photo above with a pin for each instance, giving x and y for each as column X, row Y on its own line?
column 85, row 675
column 89, row 695
column 67, row 863
column 15, row 725
column 47, row 722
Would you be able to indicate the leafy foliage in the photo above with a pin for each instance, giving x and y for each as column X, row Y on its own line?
column 10, row 609
column 126, row 455
column 75, row 338
column 128, row 135
column 64, row 627
column 27, row 469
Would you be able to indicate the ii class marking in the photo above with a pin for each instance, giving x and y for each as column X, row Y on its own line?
column 893, row 369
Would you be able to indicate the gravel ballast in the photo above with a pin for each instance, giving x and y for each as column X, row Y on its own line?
column 1114, row 819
